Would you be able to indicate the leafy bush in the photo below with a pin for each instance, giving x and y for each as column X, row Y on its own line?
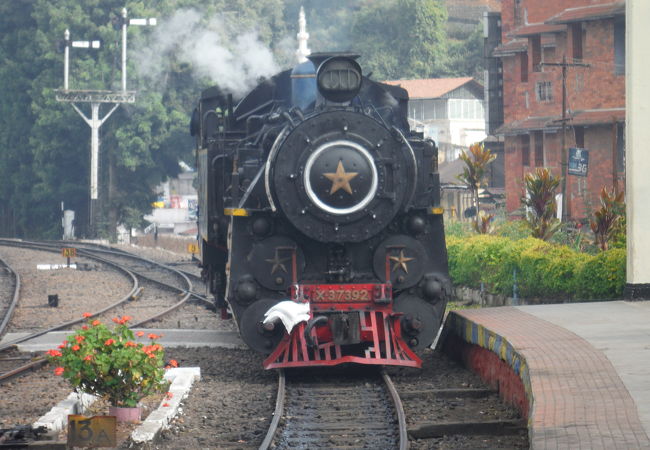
column 603, row 275
column 110, row 364
column 543, row 269
column 512, row 229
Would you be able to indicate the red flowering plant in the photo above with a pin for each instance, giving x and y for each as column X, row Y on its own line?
column 109, row 363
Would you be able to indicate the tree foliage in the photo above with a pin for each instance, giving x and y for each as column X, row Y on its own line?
column 45, row 144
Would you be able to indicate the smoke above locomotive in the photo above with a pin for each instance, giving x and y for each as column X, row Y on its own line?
column 319, row 217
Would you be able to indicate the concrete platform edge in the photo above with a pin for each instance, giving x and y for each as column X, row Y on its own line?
column 182, row 379
column 460, row 327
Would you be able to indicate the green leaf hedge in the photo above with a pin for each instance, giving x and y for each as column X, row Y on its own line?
column 543, row 269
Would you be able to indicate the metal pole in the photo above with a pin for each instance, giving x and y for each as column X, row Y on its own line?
column 66, row 59
column 94, row 150
column 565, row 203
column 124, row 25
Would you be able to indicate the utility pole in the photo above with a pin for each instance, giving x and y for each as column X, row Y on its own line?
column 563, row 162
column 96, row 98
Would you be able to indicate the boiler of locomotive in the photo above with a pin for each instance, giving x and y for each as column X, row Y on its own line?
column 340, row 175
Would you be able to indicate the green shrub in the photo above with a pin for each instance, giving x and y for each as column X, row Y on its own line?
column 543, row 269
column 512, row 229
column 603, row 275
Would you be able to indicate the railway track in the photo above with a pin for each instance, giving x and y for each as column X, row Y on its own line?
column 9, row 292
column 354, row 410
column 153, row 285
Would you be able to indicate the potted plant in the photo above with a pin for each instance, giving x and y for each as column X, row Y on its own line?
column 108, row 363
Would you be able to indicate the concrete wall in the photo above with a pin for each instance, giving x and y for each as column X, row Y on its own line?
column 638, row 139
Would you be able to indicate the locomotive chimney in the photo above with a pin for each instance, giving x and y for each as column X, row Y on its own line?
column 303, row 76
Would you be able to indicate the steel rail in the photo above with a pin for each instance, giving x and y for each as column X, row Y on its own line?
column 399, row 409
column 345, row 406
column 14, row 300
column 277, row 414
column 126, row 298
column 131, row 273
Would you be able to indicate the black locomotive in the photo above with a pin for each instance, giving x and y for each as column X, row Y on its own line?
column 315, row 193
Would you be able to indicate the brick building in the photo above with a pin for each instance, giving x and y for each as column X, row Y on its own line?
column 526, row 81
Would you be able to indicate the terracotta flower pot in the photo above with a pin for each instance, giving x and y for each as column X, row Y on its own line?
column 125, row 415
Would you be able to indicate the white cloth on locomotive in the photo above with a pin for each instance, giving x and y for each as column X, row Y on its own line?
column 289, row 312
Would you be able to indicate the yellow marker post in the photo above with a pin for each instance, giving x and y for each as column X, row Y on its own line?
column 96, row 431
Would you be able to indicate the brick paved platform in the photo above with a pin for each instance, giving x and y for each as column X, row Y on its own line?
column 585, row 368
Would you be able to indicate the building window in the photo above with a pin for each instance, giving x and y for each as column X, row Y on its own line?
column 576, row 35
column 580, row 136
column 619, row 46
column 518, row 13
column 536, row 52
column 544, row 91
column 539, row 148
column 466, row 109
column 523, row 59
column 525, row 150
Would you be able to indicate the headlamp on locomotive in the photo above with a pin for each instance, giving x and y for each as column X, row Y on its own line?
column 319, row 217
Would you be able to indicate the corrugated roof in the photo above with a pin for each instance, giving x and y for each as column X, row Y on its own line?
column 597, row 116
column 591, row 12
column 582, row 117
column 510, row 48
column 533, row 29
column 431, row 87
column 528, row 124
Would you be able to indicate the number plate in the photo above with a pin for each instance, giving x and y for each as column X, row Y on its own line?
column 341, row 294
column 97, row 431
column 69, row 252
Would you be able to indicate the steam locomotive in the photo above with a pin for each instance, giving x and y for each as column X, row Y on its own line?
column 319, row 219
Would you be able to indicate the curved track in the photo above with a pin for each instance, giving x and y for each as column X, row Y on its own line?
column 358, row 410
column 155, row 303
column 9, row 292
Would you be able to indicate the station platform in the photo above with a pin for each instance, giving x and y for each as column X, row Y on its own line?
column 579, row 372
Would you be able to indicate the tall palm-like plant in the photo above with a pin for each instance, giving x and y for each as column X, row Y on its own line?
column 606, row 218
column 540, row 199
column 476, row 161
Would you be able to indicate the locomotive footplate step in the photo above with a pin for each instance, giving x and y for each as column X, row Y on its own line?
column 578, row 372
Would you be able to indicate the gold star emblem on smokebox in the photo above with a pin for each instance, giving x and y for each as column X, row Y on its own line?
column 278, row 263
column 340, row 179
column 400, row 261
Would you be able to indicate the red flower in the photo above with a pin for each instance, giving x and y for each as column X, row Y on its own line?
column 169, row 395
column 139, row 333
column 109, row 341
column 59, row 371
column 79, row 339
column 153, row 336
column 95, row 323
column 86, row 315
column 88, row 357
column 63, row 344
column 125, row 319
column 116, row 320
column 151, row 355
column 85, row 327
column 173, row 363
column 130, row 344
column 75, row 348
column 54, row 353
column 165, row 405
